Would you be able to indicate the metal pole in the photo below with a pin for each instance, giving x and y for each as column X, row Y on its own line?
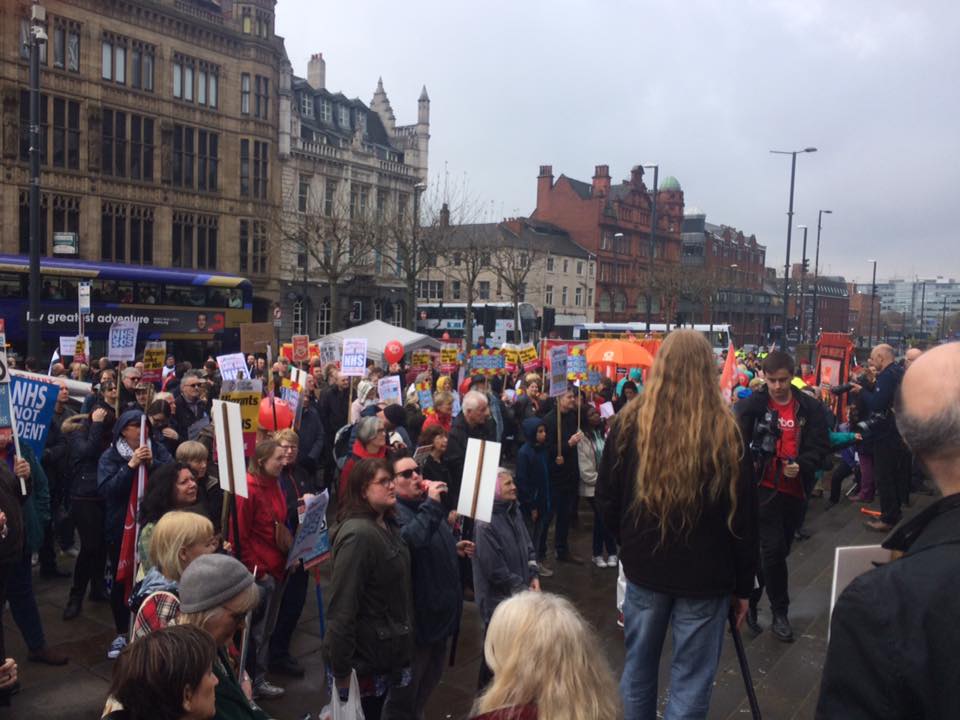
column 923, row 303
column 803, row 277
column 33, row 316
column 786, row 264
column 653, row 242
column 814, row 330
column 943, row 319
column 873, row 299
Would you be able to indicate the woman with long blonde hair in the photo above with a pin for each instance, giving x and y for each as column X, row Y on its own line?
column 675, row 488
column 547, row 664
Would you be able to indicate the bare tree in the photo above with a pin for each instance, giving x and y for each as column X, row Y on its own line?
column 468, row 252
column 513, row 263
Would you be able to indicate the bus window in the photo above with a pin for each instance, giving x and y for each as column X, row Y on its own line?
column 125, row 292
column 68, row 288
column 106, row 291
column 148, row 293
column 217, row 298
column 236, row 298
column 10, row 285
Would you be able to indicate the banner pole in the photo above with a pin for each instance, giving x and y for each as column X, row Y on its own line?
column 16, row 436
column 141, row 483
column 476, row 484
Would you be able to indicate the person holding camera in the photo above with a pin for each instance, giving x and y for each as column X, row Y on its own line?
column 787, row 433
column 889, row 457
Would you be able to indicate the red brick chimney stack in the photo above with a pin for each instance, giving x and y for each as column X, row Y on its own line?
column 601, row 180
column 544, row 184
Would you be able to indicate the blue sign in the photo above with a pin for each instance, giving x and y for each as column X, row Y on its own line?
column 33, row 404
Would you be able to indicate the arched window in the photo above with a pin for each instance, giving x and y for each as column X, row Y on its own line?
column 619, row 302
column 604, row 302
column 298, row 317
column 323, row 318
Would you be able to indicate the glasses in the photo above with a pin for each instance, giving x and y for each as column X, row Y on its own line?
column 190, row 385
column 289, row 447
column 409, row 472
column 386, row 482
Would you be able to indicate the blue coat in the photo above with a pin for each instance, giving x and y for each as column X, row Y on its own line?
column 533, row 474
column 437, row 595
column 505, row 561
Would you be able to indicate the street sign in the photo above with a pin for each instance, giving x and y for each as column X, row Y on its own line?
column 83, row 294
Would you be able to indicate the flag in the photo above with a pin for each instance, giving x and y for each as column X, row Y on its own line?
column 126, row 570
column 729, row 376
column 54, row 360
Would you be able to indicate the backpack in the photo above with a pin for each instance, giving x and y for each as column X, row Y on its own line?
column 342, row 445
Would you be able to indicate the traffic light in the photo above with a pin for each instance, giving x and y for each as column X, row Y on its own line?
column 806, row 265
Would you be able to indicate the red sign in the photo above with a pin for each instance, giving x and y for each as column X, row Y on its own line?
column 301, row 348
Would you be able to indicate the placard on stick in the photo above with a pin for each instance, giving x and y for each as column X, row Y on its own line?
column 353, row 362
column 312, row 544
column 558, row 371
column 478, row 487
column 851, row 562
column 228, row 427
column 388, row 388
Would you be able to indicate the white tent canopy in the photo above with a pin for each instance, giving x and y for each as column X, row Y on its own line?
column 379, row 333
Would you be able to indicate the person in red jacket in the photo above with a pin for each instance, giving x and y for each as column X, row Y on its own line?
column 442, row 411
column 263, row 545
column 371, row 442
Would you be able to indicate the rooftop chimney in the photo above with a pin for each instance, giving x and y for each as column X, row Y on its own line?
column 317, row 72
column 601, row 180
column 445, row 216
column 544, row 185
column 636, row 176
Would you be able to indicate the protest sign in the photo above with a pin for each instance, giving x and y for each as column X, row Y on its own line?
column 851, row 562
column 233, row 366
column 420, row 360
column 558, row 370
column 511, row 357
column 486, row 362
column 312, row 544
column 528, row 357
column 228, row 428
column 388, row 388
column 254, row 337
column 448, row 357
column 122, row 340
column 154, row 355
column 594, row 381
column 33, row 403
column 479, row 483
column 421, row 453
column 80, row 349
column 301, row 348
column 246, row 394
column 353, row 361
column 69, row 343
column 329, row 351
column 577, row 364
column 425, row 397
column 290, row 393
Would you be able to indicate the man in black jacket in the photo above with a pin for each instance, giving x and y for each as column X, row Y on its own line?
column 799, row 451
column 564, row 469
column 474, row 421
column 191, row 407
column 895, row 630
column 334, row 414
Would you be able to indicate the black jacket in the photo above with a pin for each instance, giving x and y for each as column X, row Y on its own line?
column 880, row 400
column 460, row 433
column 568, row 474
column 895, row 636
column 312, row 441
column 814, row 441
column 186, row 416
column 11, row 502
column 86, row 446
column 334, row 411
column 710, row 561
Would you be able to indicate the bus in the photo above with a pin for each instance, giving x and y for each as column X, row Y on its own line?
column 717, row 335
column 494, row 320
column 195, row 312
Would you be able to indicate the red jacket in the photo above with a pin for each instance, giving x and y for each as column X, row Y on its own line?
column 436, row 418
column 358, row 453
column 258, row 514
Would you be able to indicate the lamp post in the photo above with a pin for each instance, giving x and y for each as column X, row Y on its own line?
column 814, row 330
column 786, row 274
column 736, row 287
column 416, row 257
column 873, row 298
column 38, row 36
column 923, row 303
column 653, row 231
column 801, row 310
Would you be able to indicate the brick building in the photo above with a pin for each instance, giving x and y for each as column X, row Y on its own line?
column 613, row 221
column 858, row 322
column 833, row 303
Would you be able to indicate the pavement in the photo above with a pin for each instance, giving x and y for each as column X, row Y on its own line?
column 787, row 676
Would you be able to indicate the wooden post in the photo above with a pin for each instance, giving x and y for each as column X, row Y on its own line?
column 141, row 488
column 579, row 395
column 476, row 484
column 16, row 436
column 559, row 434
column 230, row 499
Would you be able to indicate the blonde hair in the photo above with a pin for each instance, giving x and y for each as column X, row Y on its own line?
column 532, row 631
column 192, row 451
column 444, row 383
column 684, row 435
column 288, row 436
column 175, row 530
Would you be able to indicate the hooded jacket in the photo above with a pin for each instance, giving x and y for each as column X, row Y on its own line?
column 86, row 445
column 505, row 561
column 533, row 474
column 114, row 477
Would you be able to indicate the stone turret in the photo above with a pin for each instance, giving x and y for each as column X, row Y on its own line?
column 380, row 104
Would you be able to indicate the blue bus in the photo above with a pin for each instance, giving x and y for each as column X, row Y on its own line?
column 195, row 312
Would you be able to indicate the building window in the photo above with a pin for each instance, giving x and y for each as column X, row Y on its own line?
column 548, row 295
column 455, row 290
column 141, row 235
column 592, row 269
column 113, row 58
column 306, row 105
column 207, row 242
column 605, row 302
column 142, row 60
column 578, row 297
column 329, row 197
column 65, row 213
column 113, row 232
column 619, row 302
column 247, row 22
column 259, row 169
column 303, row 192
column 397, row 318
column 579, row 267
column 141, row 148
column 326, row 112
column 208, row 148
column 323, row 318
column 113, row 143
column 566, row 266
column 184, row 156
column 549, row 264
column 589, row 297
column 262, row 97
column 483, row 290
column 430, row 289
column 66, row 133
column 25, row 222
column 563, row 296
column 66, row 45
column 343, row 116
column 194, row 241
column 253, row 246
column 297, row 316
column 245, row 168
column 245, row 93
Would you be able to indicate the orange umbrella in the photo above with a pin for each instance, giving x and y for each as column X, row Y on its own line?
column 622, row 353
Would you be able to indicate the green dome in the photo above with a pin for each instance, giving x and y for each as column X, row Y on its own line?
column 670, row 184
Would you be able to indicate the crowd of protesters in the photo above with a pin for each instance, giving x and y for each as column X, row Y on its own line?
column 687, row 497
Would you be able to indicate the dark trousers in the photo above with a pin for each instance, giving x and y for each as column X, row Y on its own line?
column 291, row 606
column 121, row 613
column 563, row 499
column 839, row 474
column 602, row 538
column 892, row 476
column 87, row 515
column 372, row 706
column 410, row 701
column 23, row 603
column 780, row 517
column 5, row 570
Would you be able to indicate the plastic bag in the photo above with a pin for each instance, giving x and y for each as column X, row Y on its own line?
column 349, row 710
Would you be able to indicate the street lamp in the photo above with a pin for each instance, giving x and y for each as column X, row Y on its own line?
column 415, row 256
column 873, row 298
column 38, row 36
column 802, row 325
column 816, row 276
column 736, row 287
column 786, row 275
column 653, row 230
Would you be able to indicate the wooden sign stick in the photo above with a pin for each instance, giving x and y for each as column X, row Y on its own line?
column 476, row 484
column 230, row 499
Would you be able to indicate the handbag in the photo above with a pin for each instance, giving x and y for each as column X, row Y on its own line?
column 349, row 710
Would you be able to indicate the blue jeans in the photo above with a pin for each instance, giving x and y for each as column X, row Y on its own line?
column 698, row 626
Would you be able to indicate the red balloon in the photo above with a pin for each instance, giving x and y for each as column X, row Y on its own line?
column 393, row 352
column 744, row 380
column 275, row 415
column 445, row 336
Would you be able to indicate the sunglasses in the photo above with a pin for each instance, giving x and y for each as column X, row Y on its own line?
column 409, row 473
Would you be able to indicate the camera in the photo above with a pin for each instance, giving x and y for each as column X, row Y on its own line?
column 766, row 432
column 841, row 389
column 873, row 422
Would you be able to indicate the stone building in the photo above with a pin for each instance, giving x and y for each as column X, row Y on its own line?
column 348, row 168
column 613, row 221
column 159, row 133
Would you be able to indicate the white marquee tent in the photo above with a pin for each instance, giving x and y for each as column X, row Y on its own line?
column 379, row 333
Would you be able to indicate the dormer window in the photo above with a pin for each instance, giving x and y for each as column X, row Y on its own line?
column 306, row 105
column 326, row 111
column 362, row 122
column 344, row 117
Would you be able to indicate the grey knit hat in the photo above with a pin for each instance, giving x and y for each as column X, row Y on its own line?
column 211, row 580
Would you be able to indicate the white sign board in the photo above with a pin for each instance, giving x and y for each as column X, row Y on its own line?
column 233, row 366
column 353, row 363
column 329, row 351
column 83, row 297
column 122, row 344
column 558, row 370
column 68, row 345
column 228, row 427
column 388, row 388
column 478, row 487
column 851, row 562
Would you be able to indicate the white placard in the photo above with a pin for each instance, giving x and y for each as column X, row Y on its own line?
column 68, row 345
column 388, row 388
column 353, row 362
column 558, row 371
column 122, row 343
column 83, row 298
column 233, row 366
column 851, row 562
column 607, row 411
column 487, row 478
column 329, row 351
column 227, row 423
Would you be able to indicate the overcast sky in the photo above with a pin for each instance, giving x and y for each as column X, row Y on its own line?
column 704, row 88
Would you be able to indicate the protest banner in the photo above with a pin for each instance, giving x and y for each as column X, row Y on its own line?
column 448, row 357
column 420, row 360
column 528, row 357
column 388, row 388
column 353, row 361
column 479, row 482
column 312, row 544
column 577, row 364
column 254, row 337
column 558, row 371
column 33, row 402
column 425, row 397
column 246, row 394
column 486, row 362
column 80, row 349
column 228, row 428
column 122, row 341
column 69, row 344
column 594, row 381
column 6, row 401
column 301, row 348
column 511, row 357
column 421, row 453
column 330, row 351
column 291, row 392
column 233, row 366
column 154, row 355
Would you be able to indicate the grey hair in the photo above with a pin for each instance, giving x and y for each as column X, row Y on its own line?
column 193, row 374
column 130, row 372
column 368, row 428
column 935, row 436
column 503, row 471
column 473, row 400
